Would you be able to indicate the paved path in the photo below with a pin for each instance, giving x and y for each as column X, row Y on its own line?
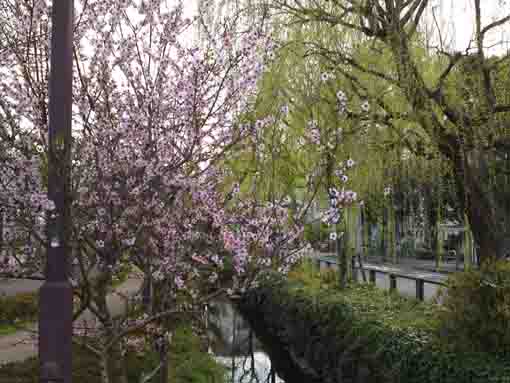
column 22, row 344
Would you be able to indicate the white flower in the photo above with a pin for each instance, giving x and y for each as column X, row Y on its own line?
column 285, row 110
column 344, row 178
column 340, row 95
column 179, row 282
column 100, row 244
column 387, row 191
column 350, row 163
column 130, row 241
column 365, row 106
column 332, row 236
column 325, row 76
column 49, row 205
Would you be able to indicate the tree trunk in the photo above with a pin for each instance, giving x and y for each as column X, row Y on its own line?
column 112, row 360
column 342, row 258
column 481, row 209
column 470, row 170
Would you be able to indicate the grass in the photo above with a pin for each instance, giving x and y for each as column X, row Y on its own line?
column 85, row 369
column 390, row 309
column 9, row 329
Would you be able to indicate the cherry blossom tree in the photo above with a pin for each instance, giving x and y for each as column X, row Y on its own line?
column 153, row 116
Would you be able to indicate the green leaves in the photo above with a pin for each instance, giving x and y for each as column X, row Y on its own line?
column 395, row 336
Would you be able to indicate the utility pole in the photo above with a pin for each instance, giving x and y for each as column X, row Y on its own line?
column 56, row 294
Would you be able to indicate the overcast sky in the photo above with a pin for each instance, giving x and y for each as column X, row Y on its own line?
column 456, row 19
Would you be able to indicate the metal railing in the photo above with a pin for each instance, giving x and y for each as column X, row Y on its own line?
column 392, row 276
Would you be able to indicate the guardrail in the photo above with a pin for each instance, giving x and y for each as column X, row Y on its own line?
column 392, row 275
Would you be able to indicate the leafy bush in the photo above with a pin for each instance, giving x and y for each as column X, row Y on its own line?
column 330, row 277
column 189, row 364
column 19, row 308
column 85, row 369
column 306, row 272
column 395, row 338
column 475, row 314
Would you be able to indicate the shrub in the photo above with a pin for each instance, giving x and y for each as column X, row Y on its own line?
column 330, row 277
column 188, row 363
column 394, row 338
column 475, row 314
column 19, row 308
column 305, row 272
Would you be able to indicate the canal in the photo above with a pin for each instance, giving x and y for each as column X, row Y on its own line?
column 235, row 344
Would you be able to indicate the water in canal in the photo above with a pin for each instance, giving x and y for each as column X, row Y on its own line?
column 235, row 344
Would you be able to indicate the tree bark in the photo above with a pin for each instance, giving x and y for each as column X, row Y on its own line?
column 480, row 208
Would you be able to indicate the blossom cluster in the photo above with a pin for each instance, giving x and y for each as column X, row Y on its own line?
column 152, row 113
column 340, row 198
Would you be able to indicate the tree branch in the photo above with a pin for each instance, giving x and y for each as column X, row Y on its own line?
column 495, row 24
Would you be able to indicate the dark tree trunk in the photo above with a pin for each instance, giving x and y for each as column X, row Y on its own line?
column 487, row 224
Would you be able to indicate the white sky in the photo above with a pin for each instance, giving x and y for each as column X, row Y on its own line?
column 456, row 18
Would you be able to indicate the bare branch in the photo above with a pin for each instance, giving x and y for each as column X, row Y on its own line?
column 453, row 61
column 495, row 24
column 502, row 108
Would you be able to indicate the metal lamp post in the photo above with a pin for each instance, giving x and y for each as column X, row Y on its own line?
column 56, row 295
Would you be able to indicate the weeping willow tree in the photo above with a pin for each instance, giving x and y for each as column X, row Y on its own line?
column 283, row 163
column 437, row 102
column 457, row 101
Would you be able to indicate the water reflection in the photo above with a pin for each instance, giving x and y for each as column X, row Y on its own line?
column 234, row 344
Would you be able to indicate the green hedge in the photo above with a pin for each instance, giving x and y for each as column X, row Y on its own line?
column 395, row 338
column 18, row 308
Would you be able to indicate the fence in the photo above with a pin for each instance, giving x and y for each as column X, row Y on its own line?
column 392, row 276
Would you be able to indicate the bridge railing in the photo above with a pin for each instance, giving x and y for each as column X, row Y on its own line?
column 392, row 276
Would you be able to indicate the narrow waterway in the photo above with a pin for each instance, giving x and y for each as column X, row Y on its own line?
column 234, row 343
